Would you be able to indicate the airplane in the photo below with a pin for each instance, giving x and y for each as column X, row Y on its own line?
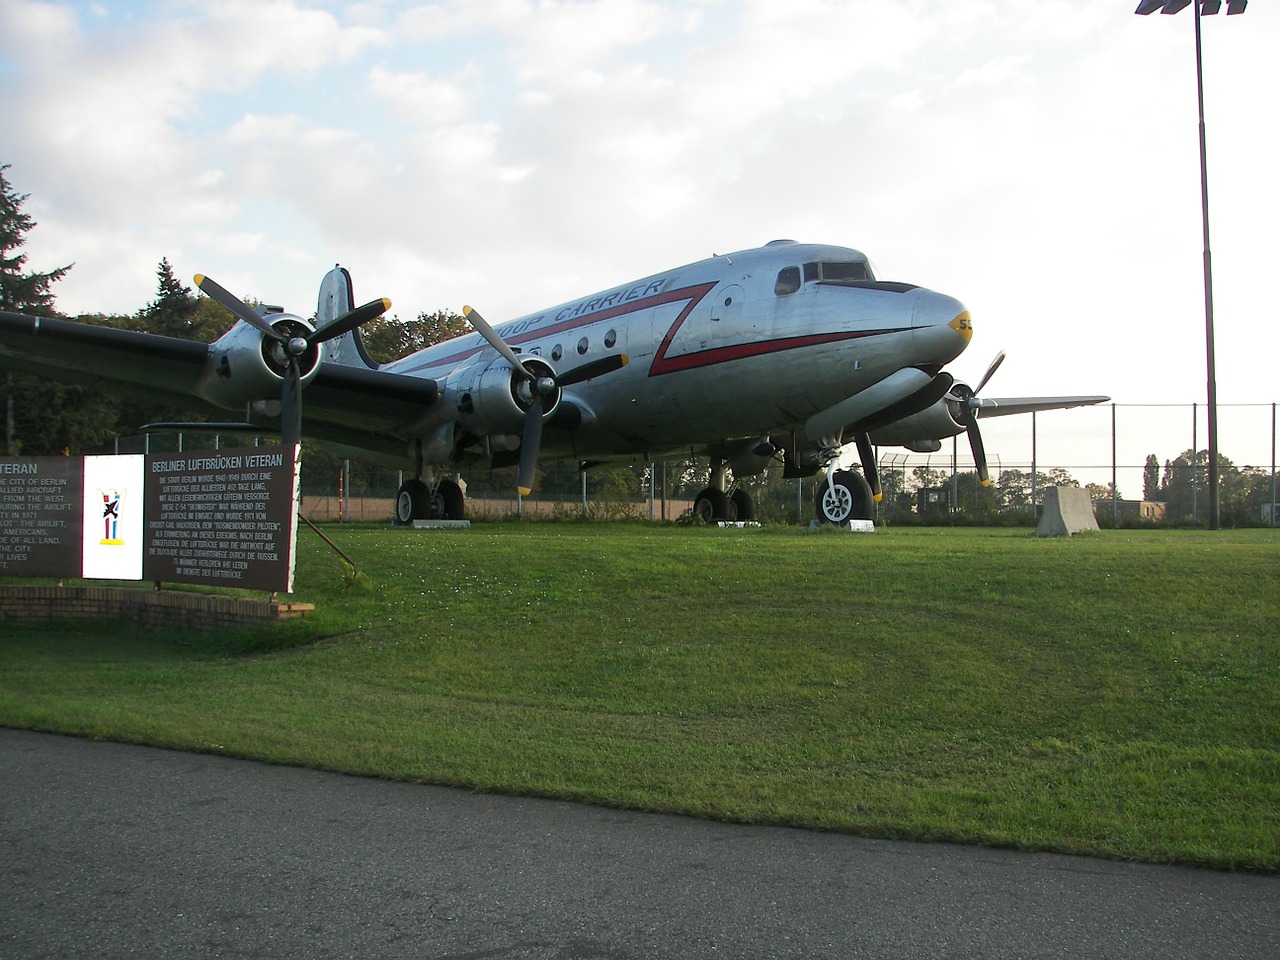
column 789, row 351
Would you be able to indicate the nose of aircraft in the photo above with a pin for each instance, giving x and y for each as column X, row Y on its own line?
column 937, row 309
column 943, row 322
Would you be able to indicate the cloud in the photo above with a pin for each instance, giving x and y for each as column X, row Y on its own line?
column 1036, row 159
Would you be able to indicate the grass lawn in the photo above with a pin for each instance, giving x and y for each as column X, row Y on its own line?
column 1115, row 694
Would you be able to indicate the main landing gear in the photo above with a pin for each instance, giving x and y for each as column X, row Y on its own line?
column 423, row 500
column 715, row 504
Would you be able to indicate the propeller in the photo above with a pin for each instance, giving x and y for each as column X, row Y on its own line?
column 291, row 340
column 870, row 469
column 540, row 393
column 966, row 405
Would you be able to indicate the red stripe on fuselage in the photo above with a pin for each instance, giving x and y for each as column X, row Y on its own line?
column 663, row 364
column 758, row 348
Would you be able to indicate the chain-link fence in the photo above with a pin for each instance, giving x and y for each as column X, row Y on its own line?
column 1140, row 462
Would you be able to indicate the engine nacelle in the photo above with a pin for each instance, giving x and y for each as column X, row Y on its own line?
column 492, row 398
column 921, row 429
column 245, row 366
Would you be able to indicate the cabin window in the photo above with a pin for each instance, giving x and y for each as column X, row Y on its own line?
column 610, row 338
column 582, row 345
column 788, row 281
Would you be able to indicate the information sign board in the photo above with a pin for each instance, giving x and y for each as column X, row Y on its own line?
column 40, row 516
column 225, row 518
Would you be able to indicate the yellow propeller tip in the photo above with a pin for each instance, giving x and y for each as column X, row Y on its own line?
column 878, row 497
column 467, row 310
column 986, row 483
column 525, row 491
column 199, row 278
column 625, row 359
column 386, row 304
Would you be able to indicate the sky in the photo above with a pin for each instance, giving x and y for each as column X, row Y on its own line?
column 1037, row 160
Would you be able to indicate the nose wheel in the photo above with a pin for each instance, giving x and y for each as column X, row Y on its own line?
column 843, row 497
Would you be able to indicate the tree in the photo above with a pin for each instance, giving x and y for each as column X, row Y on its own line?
column 1101, row 492
column 1014, row 489
column 176, row 312
column 1151, row 479
column 172, row 312
column 20, row 292
column 1184, row 485
column 1060, row 477
column 390, row 338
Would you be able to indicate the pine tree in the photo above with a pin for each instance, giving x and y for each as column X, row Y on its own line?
column 19, row 292
column 173, row 311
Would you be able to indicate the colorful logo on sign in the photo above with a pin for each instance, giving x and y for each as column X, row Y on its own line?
column 111, row 500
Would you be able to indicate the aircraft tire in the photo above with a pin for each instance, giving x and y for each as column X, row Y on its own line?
column 449, row 502
column 744, row 506
column 413, row 502
column 849, row 498
column 712, row 505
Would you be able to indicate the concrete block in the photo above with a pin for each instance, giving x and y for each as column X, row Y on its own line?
column 1066, row 511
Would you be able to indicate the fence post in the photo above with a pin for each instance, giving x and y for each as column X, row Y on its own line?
column 1195, row 473
column 1034, row 461
column 1115, row 487
column 1273, row 465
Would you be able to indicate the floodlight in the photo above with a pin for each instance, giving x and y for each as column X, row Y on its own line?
column 1210, row 7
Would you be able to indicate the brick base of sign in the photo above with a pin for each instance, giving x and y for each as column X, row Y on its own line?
column 150, row 609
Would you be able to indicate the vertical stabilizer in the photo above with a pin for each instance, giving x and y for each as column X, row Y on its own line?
column 336, row 298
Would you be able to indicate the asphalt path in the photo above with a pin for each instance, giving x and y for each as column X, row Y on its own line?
column 109, row 850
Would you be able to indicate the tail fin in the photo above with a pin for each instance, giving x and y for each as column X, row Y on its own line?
column 336, row 298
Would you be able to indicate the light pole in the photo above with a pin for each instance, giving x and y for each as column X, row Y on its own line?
column 1207, row 7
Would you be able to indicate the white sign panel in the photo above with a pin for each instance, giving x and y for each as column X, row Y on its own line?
column 113, row 524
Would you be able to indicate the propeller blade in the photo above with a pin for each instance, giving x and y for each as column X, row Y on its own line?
column 495, row 341
column 596, row 368
column 291, row 405
column 222, row 295
column 530, row 442
column 995, row 365
column 349, row 321
column 975, row 444
column 870, row 469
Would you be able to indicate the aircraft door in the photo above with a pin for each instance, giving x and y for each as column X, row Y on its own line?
column 727, row 312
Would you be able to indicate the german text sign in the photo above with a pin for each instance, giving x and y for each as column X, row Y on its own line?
column 226, row 518
column 40, row 516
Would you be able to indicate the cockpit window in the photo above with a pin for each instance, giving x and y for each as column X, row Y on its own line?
column 788, row 281
column 831, row 272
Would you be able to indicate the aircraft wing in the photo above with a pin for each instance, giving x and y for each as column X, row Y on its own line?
column 1010, row 405
column 343, row 403
column 140, row 364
